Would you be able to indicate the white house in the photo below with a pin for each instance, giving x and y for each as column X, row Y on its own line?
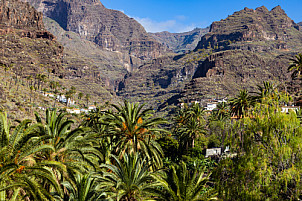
column 61, row 98
column 213, row 152
column 74, row 111
column 91, row 107
column 211, row 106
column 48, row 94
column 286, row 109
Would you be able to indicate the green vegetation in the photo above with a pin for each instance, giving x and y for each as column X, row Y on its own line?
column 122, row 152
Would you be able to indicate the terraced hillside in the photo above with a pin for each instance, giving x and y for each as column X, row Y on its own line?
column 247, row 48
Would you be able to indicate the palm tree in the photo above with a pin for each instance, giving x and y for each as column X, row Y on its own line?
column 87, row 97
column 71, row 148
column 221, row 112
column 189, row 132
column 240, row 104
column 296, row 67
column 179, row 184
column 20, row 173
column 267, row 91
column 82, row 188
column 135, row 131
column 80, row 96
column 189, row 125
column 127, row 179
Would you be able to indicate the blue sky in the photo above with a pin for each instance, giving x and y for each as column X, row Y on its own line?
column 184, row 15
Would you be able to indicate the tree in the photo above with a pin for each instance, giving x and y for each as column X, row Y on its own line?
column 221, row 112
column 267, row 164
column 82, row 188
column 189, row 132
column 189, row 125
column 20, row 173
column 266, row 92
column 80, row 96
column 240, row 104
column 87, row 97
column 135, row 130
column 179, row 184
column 127, row 179
column 71, row 148
column 296, row 67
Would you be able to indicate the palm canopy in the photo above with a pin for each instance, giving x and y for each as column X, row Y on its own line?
column 179, row 184
column 240, row 104
column 72, row 148
column 127, row 179
column 82, row 187
column 221, row 112
column 266, row 92
column 135, row 130
column 189, row 125
column 296, row 67
column 18, row 167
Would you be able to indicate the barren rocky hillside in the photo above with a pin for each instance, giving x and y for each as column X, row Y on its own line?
column 110, row 29
column 180, row 42
column 247, row 48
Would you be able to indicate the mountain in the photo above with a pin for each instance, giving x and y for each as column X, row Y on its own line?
column 300, row 24
column 27, row 49
column 28, row 53
column 23, row 39
column 259, row 30
column 241, row 51
column 84, row 59
column 180, row 42
column 109, row 29
column 249, row 47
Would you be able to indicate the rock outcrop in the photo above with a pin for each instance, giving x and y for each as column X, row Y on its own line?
column 110, row 29
column 180, row 42
column 25, row 42
column 259, row 30
column 250, row 46
column 242, row 51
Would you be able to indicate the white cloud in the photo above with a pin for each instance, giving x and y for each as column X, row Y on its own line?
column 181, row 17
column 173, row 25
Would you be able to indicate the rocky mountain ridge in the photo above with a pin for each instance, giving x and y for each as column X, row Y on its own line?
column 25, row 41
column 269, row 29
column 110, row 29
column 180, row 42
column 242, row 51
column 262, row 44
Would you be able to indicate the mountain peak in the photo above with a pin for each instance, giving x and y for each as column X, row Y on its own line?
column 252, row 25
column 262, row 9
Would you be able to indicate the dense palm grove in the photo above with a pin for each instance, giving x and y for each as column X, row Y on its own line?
column 123, row 152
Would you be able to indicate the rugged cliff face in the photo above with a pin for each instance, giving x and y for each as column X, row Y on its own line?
column 180, row 42
column 255, row 30
column 223, row 74
column 242, row 51
column 25, row 42
column 259, row 46
column 110, row 29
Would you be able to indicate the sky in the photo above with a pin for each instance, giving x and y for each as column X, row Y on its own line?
column 184, row 15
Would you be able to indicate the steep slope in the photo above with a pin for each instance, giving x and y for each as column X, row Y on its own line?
column 110, row 29
column 31, row 58
column 180, row 42
column 258, row 44
column 79, row 53
column 258, row 30
column 27, row 49
column 242, row 51
column 160, row 79
column 23, row 39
